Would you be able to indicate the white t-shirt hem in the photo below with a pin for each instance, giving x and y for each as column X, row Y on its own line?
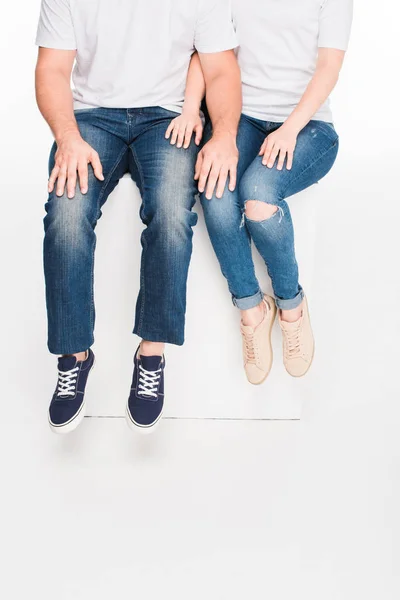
column 216, row 50
column 323, row 115
column 51, row 44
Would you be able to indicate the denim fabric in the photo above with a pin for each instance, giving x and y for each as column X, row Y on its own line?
column 127, row 140
column 315, row 154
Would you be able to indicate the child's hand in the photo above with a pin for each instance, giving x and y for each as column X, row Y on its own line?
column 181, row 129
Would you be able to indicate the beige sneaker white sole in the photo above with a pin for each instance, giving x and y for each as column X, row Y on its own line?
column 257, row 346
column 298, row 344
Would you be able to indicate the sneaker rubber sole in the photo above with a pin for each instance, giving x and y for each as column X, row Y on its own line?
column 142, row 429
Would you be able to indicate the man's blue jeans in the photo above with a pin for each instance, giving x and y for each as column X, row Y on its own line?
column 231, row 231
column 133, row 141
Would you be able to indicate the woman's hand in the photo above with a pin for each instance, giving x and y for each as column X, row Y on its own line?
column 281, row 143
column 181, row 129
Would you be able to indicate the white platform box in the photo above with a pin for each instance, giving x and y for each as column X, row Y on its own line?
column 205, row 378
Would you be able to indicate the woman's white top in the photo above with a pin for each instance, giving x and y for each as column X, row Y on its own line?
column 279, row 41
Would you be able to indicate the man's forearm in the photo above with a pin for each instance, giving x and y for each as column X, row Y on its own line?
column 54, row 99
column 224, row 102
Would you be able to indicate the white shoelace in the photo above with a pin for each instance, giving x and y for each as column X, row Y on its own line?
column 148, row 382
column 67, row 382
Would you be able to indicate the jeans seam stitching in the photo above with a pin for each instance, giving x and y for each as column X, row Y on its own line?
column 144, row 242
column 101, row 195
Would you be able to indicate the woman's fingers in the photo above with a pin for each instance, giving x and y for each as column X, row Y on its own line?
column 269, row 147
column 263, row 147
column 199, row 133
column 170, row 129
column 174, row 135
column 188, row 137
column 181, row 136
column 289, row 162
column 281, row 161
column 272, row 157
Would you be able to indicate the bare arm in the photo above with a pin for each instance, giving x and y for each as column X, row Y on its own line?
column 195, row 86
column 219, row 157
column 54, row 98
column 282, row 142
column 181, row 129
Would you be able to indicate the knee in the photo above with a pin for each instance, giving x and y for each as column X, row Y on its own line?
column 70, row 216
column 256, row 210
column 221, row 212
column 260, row 201
column 173, row 224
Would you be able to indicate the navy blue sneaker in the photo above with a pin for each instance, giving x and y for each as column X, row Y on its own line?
column 146, row 400
column 67, row 407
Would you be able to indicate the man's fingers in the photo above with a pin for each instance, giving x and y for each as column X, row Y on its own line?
column 233, row 177
column 204, row 173
column 289, row 162
column 97, row 167
column 62, row 177
column 181, row 136
column 169, row 130
column 281, row 161
column 53, row 178
column 83, row 176
column 199, row 134
column 198, row 167
column 212, row 180
column 223, row 176
column 71, row 179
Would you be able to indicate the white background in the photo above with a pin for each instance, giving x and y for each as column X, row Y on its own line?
column 218, row 509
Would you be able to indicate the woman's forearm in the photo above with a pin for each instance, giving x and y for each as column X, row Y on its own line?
column 319, row 89
column 195, row 85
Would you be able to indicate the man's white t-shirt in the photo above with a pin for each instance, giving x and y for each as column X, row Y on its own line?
column 279, row 41
column 134, row 53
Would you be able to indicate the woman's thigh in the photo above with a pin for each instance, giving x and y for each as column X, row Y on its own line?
column 315, row 154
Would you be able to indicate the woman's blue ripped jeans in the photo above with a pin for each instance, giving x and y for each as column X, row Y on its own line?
column 231, row 231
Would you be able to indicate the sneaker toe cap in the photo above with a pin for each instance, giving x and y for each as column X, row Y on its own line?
column 255, row 375
column 61, row 413
column 297, row 367
column 145, row 413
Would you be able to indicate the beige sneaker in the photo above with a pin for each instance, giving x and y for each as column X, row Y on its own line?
column 298, row 344
column 257, row 347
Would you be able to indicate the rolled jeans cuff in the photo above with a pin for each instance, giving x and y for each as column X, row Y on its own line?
column 249, row 302
column 290, row 304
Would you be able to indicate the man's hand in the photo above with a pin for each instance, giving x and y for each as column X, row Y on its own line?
column 72, row 159
column 216, row 161
column 282, row 143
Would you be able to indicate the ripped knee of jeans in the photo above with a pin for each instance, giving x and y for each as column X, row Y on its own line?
column 255, row 210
